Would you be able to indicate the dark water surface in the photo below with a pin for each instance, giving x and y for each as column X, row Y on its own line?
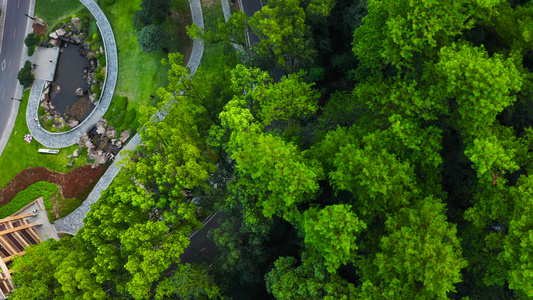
column 69, row 77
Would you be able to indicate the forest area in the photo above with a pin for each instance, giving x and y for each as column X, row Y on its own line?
column 391, row 162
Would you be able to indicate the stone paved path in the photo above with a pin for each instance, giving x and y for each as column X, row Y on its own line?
column 74, row 221
column 65, row 139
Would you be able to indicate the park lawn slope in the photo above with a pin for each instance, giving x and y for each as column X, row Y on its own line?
column 19, row 155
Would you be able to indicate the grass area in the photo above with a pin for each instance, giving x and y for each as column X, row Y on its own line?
column 19, row 155
column 63, row 207
column 141, row 74
column 25, row 197
column 52, row 11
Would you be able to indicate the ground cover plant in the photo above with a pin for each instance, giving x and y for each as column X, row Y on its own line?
column 19, row 155
column 24, row 197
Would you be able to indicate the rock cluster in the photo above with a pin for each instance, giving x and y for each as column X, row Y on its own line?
column 102, row 144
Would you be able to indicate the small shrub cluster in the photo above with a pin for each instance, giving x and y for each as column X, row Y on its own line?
column 120, row 116
column 23, row 198
column 25, row 75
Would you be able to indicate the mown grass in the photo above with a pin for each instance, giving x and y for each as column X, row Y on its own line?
column 52, row 11
column 19, row 155
column 141, row 74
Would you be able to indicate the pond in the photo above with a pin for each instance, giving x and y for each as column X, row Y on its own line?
column 69, row 77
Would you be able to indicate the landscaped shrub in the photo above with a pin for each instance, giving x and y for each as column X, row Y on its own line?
column 128, row 120
column 118, row 104
column 23, row 198
column 49, row 122
column 101, row 61
column 25, row 76
column 40, row 110
column 118, row 120
column 32, row 39
column 31, row 50
column 96, row 90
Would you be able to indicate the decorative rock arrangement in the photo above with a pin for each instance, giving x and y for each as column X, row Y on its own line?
column 69, row 33
column 102, row 143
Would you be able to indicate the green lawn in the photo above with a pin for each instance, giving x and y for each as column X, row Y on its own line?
column 141, row 74
column 19, row 155
column 52, row 11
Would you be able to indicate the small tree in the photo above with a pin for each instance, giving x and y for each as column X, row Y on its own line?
column 25, row 76
column 150, row 38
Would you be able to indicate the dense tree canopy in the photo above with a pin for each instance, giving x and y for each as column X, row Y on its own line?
column 391, row 162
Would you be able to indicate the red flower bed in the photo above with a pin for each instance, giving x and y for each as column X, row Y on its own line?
column 74, row 184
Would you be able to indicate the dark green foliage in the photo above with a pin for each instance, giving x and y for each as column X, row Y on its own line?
column 23, row 198
column 118, row 119
column 118, row 105
column 32, row 39
column 25, row 76
column 152, row 12
column 151, row 38
column 49, row 122
column 31, row 50
column 41, row 110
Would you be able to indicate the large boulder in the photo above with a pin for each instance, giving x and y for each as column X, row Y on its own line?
column 72, row 123
column 79, row 91
column 111, row 133
column 124, row 136
column 76, row 153
column 100, row 126
column 89, row 145
column 60, row 33
column 76, row 22
column 53, row 36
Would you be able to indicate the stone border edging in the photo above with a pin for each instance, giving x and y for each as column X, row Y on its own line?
column 71, row 137
column 74, row 221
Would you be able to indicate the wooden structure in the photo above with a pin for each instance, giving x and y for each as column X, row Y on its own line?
column 16, row 233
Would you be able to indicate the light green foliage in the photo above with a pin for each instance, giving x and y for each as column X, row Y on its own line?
column 310, row 280
column 488, row 155
column 332, row 232
column 373, row 173
column 232, row 31
column 421, row 257
column 286, row 99
column 132, row 241
column 276, row 173
column 518, row 247
column 188, row 282
column 394, row 31
column 481, row 84
column 321, row 8
column 281, row 27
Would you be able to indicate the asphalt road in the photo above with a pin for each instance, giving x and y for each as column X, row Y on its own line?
column 10, row 55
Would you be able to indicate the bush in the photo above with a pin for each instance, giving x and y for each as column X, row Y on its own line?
column 128, row 119
column 23, row 198
column 31, row 50
column 151, row 38
column 25, row 76
column 101, row 61
column 118, row 120
column 40, row 110
column 32, row 39
column 49, row 123
column 96, row 90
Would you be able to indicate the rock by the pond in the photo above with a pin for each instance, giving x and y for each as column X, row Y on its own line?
column 71, row 163
column 79, row 91
column 125, row 135
column 80, row 108
column 76, row 153
column 84, row 137
column 54, row 41
column 72, row 123
column 60, row 32
column 53, row 36
column 100, row 126
column 76, row 22
column 89, row 145
column 111, row 133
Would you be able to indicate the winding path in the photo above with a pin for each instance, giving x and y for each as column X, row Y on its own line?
column 74, row 221
column 65, row 139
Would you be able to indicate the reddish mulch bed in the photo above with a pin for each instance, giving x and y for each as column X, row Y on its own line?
column 74, row 184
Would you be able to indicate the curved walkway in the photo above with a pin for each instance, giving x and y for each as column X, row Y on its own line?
column 65, row 139
column 74, row 221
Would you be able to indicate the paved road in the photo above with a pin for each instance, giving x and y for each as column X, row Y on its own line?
column 10, row 54
column 249, row 7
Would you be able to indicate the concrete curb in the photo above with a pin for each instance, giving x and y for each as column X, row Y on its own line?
column 74, row 221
